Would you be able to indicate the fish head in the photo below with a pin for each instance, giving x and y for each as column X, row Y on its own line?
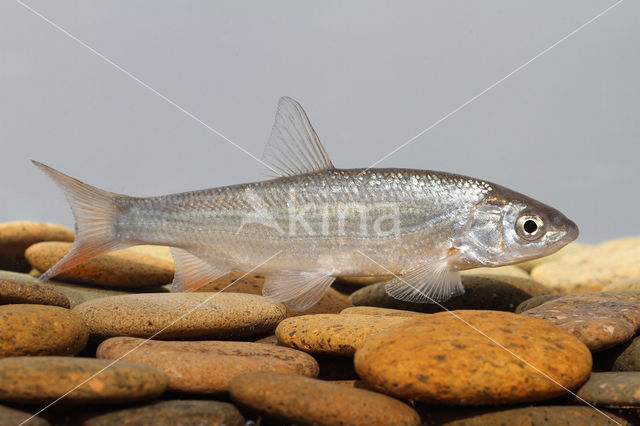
column 508, row 227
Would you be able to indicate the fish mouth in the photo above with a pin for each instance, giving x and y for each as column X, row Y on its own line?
column 571, row 231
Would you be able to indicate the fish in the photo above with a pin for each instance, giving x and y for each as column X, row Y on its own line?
column 310, row 222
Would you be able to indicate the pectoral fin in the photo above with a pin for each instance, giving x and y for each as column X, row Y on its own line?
column 299, row 290
column 192, row 272
column 430, row 283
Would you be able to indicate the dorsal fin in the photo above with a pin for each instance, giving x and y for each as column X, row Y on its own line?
column 294, row 147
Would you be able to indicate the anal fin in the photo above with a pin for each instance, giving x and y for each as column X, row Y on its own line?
column 300, row 290
column 191, row 271
column 430, row 283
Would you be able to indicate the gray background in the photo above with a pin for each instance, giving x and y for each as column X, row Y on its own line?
column 371, row 75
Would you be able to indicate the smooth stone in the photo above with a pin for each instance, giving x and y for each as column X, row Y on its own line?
column 372, row 310
column 625, row 295
column 590, row 269
column 331, row 334
column 173, row 412
column 181, row 315
column 41, row 380
column 269, row 340
column 12, row 417
column 420, row 358
column 331, row 303
column 301, row 400
column 557, row 415
column 632, row 283
column 564, row 251
column 16, row 237
column 490, row 292
column 40, row 330
column 612, row 389
column 598, row 322
column 628, row 358
column 507, row 271
column 127, row 268
column 17, row 291
column 207, row 367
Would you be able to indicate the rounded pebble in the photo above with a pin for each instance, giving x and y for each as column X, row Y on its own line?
column 207, row 367
column 372, row 310
column 16, row 237
column 171, row 413
column 181, row 315
column 420, row 359
column 612, row 389
column 40, row 330
column 331, row 334
column 570, row 248
column 598, row 322
column 301, row 400
column 129, row 268
column 13, row 417
column 41, row 380
column 625, row 295
column 632, row 283
column 16, row 291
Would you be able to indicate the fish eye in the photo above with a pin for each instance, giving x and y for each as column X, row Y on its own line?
column 529, row 226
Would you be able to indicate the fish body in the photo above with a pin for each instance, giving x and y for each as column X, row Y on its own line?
column 315, row 222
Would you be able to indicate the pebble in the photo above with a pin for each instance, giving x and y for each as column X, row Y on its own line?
column 331, row 334
column 40, row 330
column 598, row 322
column 590, row 269
column 625, row 295
column 129, row 268
column 41, row 380
column 490, row 292
column 612, row 389
column 16, row 237
column 331, row 303
column 440, row 359
column 556, row 415
column 181, row 315
column 570, row 248
column 632, row 283
column 627, row 358
column 171, row 413
column 17, row 291
column 301, row 400
column 372, row 310
column 12, row 417
column 207, row 366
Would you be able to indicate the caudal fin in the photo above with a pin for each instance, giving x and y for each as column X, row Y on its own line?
column 94, row 211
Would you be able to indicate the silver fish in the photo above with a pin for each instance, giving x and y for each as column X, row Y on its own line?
column 314, row 222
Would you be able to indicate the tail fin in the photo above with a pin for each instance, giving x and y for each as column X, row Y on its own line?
column 94, row 211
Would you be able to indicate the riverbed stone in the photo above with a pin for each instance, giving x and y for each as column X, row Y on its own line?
column 173, row 412
column 331, row 334
column 626, row 357
column 40, row 330
column 632, row 283
column 16, row 237
column 128, row 268
column 41, row 380
column 491, row 292
column 12, row 417
column 372, row 310
column 598, row 322
column 16, row 291
column 418, row 359
column 590, row 269
column 300, row 400
column 207, row 366
column 181, row 315
column 612, row 389
column 570, row 248
column 624, row 295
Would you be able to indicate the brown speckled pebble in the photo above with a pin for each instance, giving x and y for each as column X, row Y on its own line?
column 598, row 322
column 207, row 367
column 15, row 237
column 372, row 310
column 331, row 303
column 13, row 417
column 40, row 330
column 300, row 400
column 331, row 334
column 172, row 413
column 17, row 291
column 491, row 292
column 184, row 315
column 127, row 268
column 40, row 380
column 440, row 359
column 625, row 295
column 612, row 389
